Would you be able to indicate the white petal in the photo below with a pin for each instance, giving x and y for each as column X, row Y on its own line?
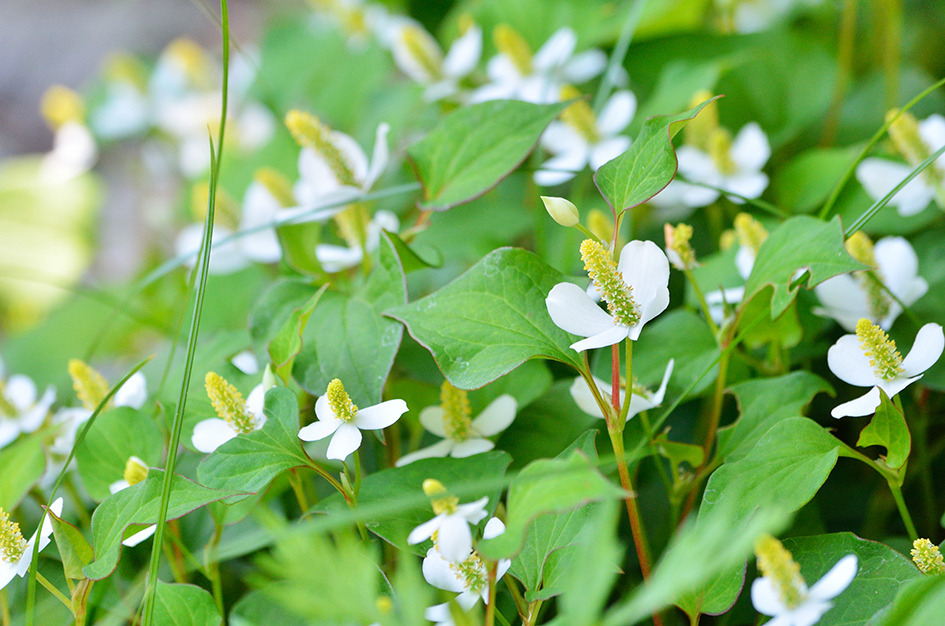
column 337, row 258
column 584, row 398
column 749, row 185
column 431, row 418
column 848, row 363
column 9, row 431
column 437, row 450
column 745, row 261
column 379, row 158
column 897, row 263
column 475, row 511
column 697, row 166
column 320, row 429
column 494, row 528
column 573, row 311
column 843, row 300
column 584, row 66
column 836, row 580
column 609, row 337
column 20, row 390
column 497, row 416
column 246, row 362
column 617, row 113
column 470, row 447
column 354, row 155
column 7, row 572
column 864, row 405
column 556, row 51
column 607, row 150
column 425, row 530
column 346, row 440
column 925, row 351
column 560, row 137
column 454, row 539
column 255, row 404
column 879, row 177
column 133, row 393
column 750, row 149
column 464, row 54
column 211, row 433
column 661, row 392
column 932, row 131
column 437, row 572
column 646, row 269
column 439, row 613
column 765, row 597
column 550, row 178
column 638, row 404
column 139, row 536
column 380, row 415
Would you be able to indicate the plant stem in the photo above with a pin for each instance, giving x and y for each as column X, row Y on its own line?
column 715, row 414
column 702, row 302
column 628, row 372
column 212, row 566
column 844, row 69
column 51, row 588
column 615, row 381
column 490, row 605
column 357, row 474
column 4, row 609
column 533, row 609
column 331, row 480
column 299, row 490
column 903, row 511
column 520, row 605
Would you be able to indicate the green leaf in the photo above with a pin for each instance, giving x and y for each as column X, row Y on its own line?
column 680, row 335
column 256, row 608
column 919, row 603
column 763, row 403
column 490, row 320
column 475, row 147
column 804, row 183
column 678, row 452
column 287, row 343
column 545, row 486
column 882, row 573
column 411, row 258
column 21, row 465
column 888, row 428
column 139, row 504
column 348, row 339
column 784, row 331
column 248, row 463
column 298, row 242
column 647, row 166
column 800, row 243
column 276, row 306
column 74, row 549
column 184, row 605
column 115, row 436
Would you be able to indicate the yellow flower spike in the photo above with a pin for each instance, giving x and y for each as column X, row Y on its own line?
column 136, row 470
column 600, row 224
column 776, row 564
column 860, row 248
column 699, row 130
column 580, row 116
column 879, row 349
column 727, row 239
column 677, row 241
column 276, row 184
column 352, row 224
column 423, row 49
column 90, row 386
column 603, row 271
column 228, row 403
column 12, row 543
column 125, row 67
column 441, row 502
column 60, row 105
column 750, row 232
column 720, row 150
column 904, row 133
column 384, row 605
column 456, row 412
column 510, row 42
column 927, row 557
column 192, row 60
column 340, row 402
column 309, row 132
column 227, row 211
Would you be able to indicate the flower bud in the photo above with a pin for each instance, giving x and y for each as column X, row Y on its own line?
column 562, row 211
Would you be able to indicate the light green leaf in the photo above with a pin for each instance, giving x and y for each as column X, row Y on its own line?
column 678, row 452
column 139, row 504
column 882, row 573
column 74, row 549
column 804, row 183
column 287, row 343
column 276, row 307
column 647, row 166
column 680, row 335
column 489, row 320
column 21, row 465
column 348, row 339
column 800, row 243
column 248, row 463
column 545, row 486
column 116, row 435
column 763, row 403
column 415, row 257
column 888, row 428
column 298, row 242
column 184, row 605
column 475, row 147
column 918, row 603
column 256, row 608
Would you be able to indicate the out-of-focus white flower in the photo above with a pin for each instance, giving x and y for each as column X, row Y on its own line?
column 750, row 234
column 752, row 16
column 870, row 359
column 582, row 138
column 516, row 74
column 635, row 289
column 236, row 416
column 136, row 471
column 74, row 150
column 16, row 553
column 20, row 410
column 340, row 419
column 642, row 399
column 420, row 57
column 246, row 362
column 462, row 436
column 915, row 141
column 337, row 258
column 849, row 297
column 451, row 523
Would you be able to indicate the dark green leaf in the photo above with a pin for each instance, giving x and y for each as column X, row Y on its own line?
column 74, row 549
column 288, row 341
column 919, row 603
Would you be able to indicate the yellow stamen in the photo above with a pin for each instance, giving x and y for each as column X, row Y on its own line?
column 439, row 500
column 229, row 404
column 277, row 185
column 603, row 271
column 192, row 61
column 226, row 212
column 6, row 407
column 727, row 239
column 699, row 130
column 340, row 402
column 861, row 248
column 750, row 232
column 473, row 572
column 352, row 224
column 600, row 224
column 775, row 564
column 580, row 116
column 61, row 105
column 423, row 49
column 927, row 557
column 90, row 386
column 509, row 42
column 456, row 412
column 677, row 240
column 136, row 470
column 124, row 67
column 720, row 149
column 12, row 543
column 309, row 132
column 384, row 605
column 879, row 349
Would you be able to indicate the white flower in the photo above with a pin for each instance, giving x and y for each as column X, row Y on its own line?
column 814, row 602
column 870, row 359
column 849, row 297
column 642, row 399
column 18, row 562
column 451, row 524
column 879, row 176
column 516, row 74
column 337, row 258
column 133, row 393
column 20, row 410
column 581, row 139
column 462, row 437
column 737, row 170
column 74, row 152
column 339, row 418
column 420, row 57
column 236, row 416
column 469, row 578
column 643, row 270
column 246, row 362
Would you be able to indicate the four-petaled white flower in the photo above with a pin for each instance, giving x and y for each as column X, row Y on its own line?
column 469, row 578
column 451, row 523
column 870, row 359
column 462, row 436
column 26, row 412
column 638, row 286
column 814, row 602
column 420, row 57
column 339, row 418
column 16, row 554
column 580, row 139
column 849, row 297
column 641, row 399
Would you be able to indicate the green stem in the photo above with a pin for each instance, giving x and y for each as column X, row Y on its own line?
column 331, row 479
column 533, row 609
column 891, row 41
column 299, row 490
column 212, row 566
column 4, row 608
column 51, row 588
column 715, row 414
column 520, row 605
column 357, row 474
column 903, row 510
column 628, row 372
column 490, row 605
column 702, row 302
column 844, row 69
